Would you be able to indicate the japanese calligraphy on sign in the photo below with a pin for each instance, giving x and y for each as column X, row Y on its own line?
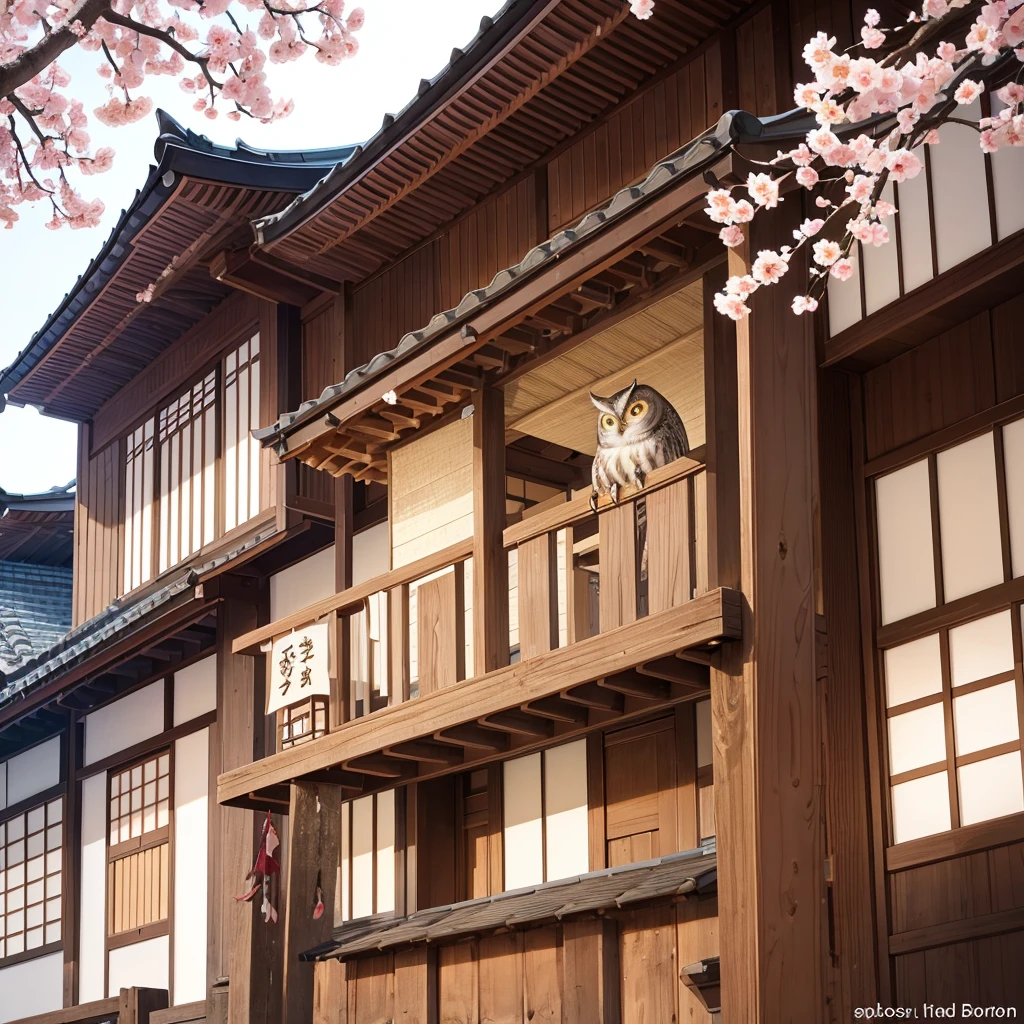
column 298, row 667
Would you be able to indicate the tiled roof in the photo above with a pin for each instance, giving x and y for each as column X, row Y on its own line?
column 732, row 127
column 35, row 610
column 115, row 621
column 178, row 153
column 673, row 875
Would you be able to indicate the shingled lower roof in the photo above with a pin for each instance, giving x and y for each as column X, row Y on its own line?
column 677, row 874
column 35, row 610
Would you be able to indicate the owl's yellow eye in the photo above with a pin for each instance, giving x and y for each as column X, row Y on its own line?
column 609, row 422
column 636, row 410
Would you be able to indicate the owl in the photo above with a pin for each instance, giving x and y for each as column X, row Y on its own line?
column 637, row 430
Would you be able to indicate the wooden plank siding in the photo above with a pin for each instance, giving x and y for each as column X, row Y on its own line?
column 622, row 969
column 960, row 373
column 99, row 528
column 321, row 367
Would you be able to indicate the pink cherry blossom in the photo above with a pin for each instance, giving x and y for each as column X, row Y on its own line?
column 763, row 189
column 807, row 176
column 768, row 267
column 826, row 252
column 731, row 235
column 842, row 270
column 809, row 228
column 903, row 165
column 804, row 304
column 968, row 91
column 743, row 286
column 719, row 207
column 642, row 9
column 731, row 306
column 741, row 212
column 872, row 37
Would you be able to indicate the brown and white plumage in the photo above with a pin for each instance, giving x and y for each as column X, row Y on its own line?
column 637, row 430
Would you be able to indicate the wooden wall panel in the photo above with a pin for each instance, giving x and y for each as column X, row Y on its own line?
column 492, row 236
column 761, row 67
column 99, row 529
column 401, row 298
column 962, row 371
column 622, row 149
column 321, row 367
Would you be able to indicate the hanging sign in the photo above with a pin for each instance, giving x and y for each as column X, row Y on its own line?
column 298, row 667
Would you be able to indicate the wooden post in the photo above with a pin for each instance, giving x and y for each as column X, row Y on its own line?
column 314, row 842
column 136, row 1004
column 590, row 972
column 490, row 563
column 242, row 948
column 341, row 697
column 765, row 695
column 289, row 396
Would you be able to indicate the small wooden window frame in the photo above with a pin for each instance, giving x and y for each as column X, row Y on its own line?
column 159, row 836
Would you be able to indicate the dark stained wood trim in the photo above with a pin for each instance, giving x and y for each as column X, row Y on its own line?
column 879, row 330
column 149, row 931
column 984, row 835
column 947, row 713
column 98, row 1012
column 42, row 797
column 983, row 755
column 30, row 954
column 973, row 426
column 71, row 869
column 954, row 613
column 922, row 772
column 950, row 932
column 874, row 697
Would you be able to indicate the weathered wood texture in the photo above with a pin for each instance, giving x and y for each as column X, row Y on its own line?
column 852, row 978
column 99, row 528
column 241, row 947
column 314, row 837
column 441, row 642
column 624, row 970
column 962, row 372
column 322, row 366
column 765, row 693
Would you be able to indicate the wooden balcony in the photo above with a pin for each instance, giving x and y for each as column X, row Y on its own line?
column 644, row 642
column 131, row 1006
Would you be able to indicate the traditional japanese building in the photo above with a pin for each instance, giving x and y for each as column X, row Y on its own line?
column 746, row 741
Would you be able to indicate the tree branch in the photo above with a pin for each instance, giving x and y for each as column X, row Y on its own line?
column 165, row 37
column 38, row 58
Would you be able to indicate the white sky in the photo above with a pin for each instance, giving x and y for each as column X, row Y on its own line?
column 401, row 42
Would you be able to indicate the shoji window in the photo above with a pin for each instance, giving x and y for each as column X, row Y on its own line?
column 951, row 526
column 952, row 701
column 546, row 824
column 368, row 856
column 187, row 439
column 138, row 506
column 30, row 879
column 138, row 872
column 241, row 450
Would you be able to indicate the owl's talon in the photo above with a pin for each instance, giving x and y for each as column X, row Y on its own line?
column 593, row 502
column 640, row 477
column 615, row 494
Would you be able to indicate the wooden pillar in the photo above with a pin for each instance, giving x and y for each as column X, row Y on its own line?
column 765, row 695
column 590, row 972
column 242, row 948
column 341, row 700
column 136, row 1004
column 490, row 563
column 416, row 985
column 314, row 843
column 860, row 931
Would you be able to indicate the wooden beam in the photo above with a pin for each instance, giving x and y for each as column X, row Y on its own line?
column 490, row 561
column 473, row 735
column 590, row 972
column 314, row 844
column 765, row 693
column 712, row 616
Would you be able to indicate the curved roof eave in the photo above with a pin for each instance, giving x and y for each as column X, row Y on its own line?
column 179, row 152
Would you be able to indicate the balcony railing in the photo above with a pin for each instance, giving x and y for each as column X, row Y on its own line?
column 573, row 574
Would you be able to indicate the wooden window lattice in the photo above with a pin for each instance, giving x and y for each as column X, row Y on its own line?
column 241, row 450
column 31, row 851
column 138, row 506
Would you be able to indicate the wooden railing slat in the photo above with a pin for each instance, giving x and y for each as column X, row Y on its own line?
column 579, row 508
column 668, row 547
column 348, row 601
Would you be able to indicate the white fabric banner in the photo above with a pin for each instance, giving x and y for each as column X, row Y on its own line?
column 298, row 667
